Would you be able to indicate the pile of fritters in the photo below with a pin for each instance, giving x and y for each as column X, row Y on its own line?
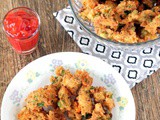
column 126, row 21
column 69, row 95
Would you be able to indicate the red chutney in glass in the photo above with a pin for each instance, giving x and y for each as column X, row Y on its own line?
column 21, row 27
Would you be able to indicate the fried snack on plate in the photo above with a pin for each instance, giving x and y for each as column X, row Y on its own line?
column 75, row 112
column 74, row 115
column 56, row 81
column 71, row 83
column 109, row 103
column 99, row 93
column 43, row 97
column 69, row 96
column 84, row 100
column 60, row 71
column 64, row 102
column 84, row 77
column 27, row 114
column 99, row 113
column 56, row 115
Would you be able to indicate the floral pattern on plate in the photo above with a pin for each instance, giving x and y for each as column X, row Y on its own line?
column 55, row 63
column 16, row 97
column 122, row 102
column 81, row 64
column 31, row 76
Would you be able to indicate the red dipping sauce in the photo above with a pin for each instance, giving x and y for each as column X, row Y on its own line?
column 22, row 29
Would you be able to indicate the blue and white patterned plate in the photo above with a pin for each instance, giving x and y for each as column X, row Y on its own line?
column 37, row 74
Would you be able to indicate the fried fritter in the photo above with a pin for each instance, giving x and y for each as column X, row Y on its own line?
column 69, row 96
column 110, row 19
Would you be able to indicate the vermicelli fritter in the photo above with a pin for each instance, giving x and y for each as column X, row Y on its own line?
column 126, row 21
column 69, row 95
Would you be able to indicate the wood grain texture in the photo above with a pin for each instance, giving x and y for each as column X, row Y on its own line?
column 53, row 39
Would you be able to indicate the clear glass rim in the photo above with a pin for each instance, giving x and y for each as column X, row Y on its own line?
column 108, row 40
column 34, row 12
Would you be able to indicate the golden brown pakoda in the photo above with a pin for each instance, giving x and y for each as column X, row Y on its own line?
column 84, row 100
column 98, row 94
column 27, row 114
column 56, row 114
column 71, row 83
column 112, row 19
column 64, row 102
column 69, row 96
column 99, row 113
column 43, row 97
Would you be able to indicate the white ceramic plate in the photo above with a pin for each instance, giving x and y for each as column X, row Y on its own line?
column 37, row 74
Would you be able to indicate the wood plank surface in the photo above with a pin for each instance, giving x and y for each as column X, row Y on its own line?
column 53, row 39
